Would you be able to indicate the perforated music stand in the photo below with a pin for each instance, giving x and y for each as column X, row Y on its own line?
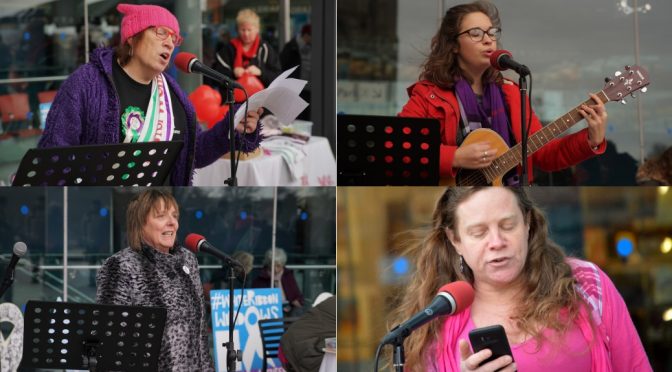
column 62, row 335
column 123, row 164
column 385, row 150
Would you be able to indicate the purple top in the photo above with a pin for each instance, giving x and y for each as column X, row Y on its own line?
column 86, row 112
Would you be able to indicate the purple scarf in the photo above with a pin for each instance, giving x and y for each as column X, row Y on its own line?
column 492, row 108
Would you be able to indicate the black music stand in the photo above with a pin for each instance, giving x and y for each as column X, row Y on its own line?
column 62, row 335
column 122, row 164
column 387, row 150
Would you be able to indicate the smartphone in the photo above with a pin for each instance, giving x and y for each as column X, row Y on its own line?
column 493, row 338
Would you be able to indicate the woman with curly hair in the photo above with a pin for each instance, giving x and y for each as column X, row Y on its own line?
column 559, row 313
column 459, row 88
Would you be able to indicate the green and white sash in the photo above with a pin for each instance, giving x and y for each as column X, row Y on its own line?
column 157, row 124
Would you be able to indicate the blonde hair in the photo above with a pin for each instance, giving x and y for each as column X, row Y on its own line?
column 139, row 209
column 247, row 16
column 550, row 299
column 245, row 258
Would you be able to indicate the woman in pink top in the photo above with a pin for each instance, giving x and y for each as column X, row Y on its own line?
column 558, row 313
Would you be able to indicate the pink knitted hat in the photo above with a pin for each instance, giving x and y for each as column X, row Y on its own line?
column 138, row 18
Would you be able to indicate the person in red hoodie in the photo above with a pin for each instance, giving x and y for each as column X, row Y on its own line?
column 459, row 88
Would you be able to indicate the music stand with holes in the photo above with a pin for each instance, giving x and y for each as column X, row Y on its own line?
column 62, row 335
column 122, row 164
column 387, row 150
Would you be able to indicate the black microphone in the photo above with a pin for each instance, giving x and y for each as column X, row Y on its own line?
column 188, row 63
column 197, row 243
column 19, row 251
column 452, row 298
column 503, row 60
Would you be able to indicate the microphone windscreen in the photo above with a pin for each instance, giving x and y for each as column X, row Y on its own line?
column 182, row 60
column 192, row 240
column 495, row 56
column 462, row 292
column 20, row 249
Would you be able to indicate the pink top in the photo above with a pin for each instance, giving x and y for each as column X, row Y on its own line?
column 570, row 353
column 614, row 347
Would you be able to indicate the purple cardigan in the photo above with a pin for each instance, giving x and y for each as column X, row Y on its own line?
column 86, row 111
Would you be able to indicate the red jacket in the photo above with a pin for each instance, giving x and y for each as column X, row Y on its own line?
column 429, row 101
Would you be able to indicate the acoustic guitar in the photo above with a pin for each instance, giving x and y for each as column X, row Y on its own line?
column 616, row 89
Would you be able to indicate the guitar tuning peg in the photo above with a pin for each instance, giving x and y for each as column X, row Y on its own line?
column 623, row 102
column 617, row 73
column 628, row 67
column 633, row 95
column 643, row 90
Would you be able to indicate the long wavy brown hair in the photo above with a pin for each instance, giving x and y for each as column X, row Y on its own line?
column 550, row 298
column 441, row 66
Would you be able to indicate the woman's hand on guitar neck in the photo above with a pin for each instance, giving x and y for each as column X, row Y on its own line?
column 474, row 155
column 596, row 117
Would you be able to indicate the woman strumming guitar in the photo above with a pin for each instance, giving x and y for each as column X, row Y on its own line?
column 460, row 88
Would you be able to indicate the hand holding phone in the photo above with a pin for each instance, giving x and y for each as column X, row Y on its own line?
column 491, row 350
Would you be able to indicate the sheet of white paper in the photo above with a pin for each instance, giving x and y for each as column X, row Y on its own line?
column 281, row 97
column 283, row 76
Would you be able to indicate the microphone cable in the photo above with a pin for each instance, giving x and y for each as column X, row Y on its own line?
column 240, row 145
column 240, row 303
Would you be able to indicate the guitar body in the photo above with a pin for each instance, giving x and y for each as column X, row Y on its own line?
column 476, row 177
column 634, row 79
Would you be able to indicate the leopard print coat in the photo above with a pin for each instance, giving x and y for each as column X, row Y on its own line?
column 150, row 278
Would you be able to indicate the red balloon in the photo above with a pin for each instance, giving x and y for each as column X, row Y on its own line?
column 221, row 112
column 204, row 92
column 252, row 85
column 206, row 110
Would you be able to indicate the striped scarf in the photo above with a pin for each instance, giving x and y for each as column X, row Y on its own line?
column 158, row 122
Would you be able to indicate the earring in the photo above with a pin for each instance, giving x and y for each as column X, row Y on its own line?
column 130, row 52
column 461, row 264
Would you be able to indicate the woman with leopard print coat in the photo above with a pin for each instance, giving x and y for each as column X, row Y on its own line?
column 155, row 271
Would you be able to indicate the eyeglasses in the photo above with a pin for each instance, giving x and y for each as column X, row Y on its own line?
column 163, row 34
column 477, row 34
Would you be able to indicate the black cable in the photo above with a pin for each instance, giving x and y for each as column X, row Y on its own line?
column 375, row 364
column 240, row 304
column 240, row 143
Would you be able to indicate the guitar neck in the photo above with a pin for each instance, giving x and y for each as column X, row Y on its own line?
column 539, row 139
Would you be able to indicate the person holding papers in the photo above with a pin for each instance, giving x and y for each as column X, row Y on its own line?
column 122, row 96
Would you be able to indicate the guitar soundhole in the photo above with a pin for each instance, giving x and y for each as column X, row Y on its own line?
column 471, row 177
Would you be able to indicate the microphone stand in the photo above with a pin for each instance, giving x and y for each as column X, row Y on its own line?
column 398, row 358
column 7, row 282
column 398, row 355
column 228, row 100
column 522, row 84
column 232, row 355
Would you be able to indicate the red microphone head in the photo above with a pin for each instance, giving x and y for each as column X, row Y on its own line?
column 462, row 292
column 182, row 60
column 192, row 240
column 494, row 58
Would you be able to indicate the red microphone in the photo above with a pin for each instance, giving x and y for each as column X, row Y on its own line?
column 452, row 298
column 197, row 243
column 503, row 60
column 188, row 63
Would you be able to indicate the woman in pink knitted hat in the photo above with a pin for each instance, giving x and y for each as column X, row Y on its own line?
column 123, row 95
